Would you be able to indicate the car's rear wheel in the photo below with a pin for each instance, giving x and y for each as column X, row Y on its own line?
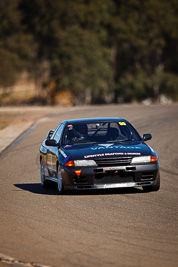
column 154, row 187
column 59, row 181
column 44, row 183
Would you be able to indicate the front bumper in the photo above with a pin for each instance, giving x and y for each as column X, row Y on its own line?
column 110, row 177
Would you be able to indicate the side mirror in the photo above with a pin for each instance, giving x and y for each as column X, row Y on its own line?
column 147, row 137
column 51, row 142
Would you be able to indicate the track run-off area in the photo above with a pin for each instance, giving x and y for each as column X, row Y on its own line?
column 125, row 227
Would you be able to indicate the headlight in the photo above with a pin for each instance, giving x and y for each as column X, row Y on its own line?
column 144, row 159
column 85, row 163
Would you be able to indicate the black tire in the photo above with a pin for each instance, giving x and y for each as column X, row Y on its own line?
column 44, row 183
column 154, row 187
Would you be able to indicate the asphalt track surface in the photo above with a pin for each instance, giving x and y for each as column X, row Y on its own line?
column 124, row 227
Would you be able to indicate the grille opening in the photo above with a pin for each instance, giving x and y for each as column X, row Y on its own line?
column 98, row 170
column 113, row 173
column 147, row 176
column 130, row 168
column 110, row 177
column 113, row 161
column 80, row 180
column 144, row 183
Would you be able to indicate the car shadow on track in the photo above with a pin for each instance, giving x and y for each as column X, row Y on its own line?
column 36, row 188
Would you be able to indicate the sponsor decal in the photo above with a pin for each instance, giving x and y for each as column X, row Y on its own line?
column 95, row 155
column 112, row 154
column 122, row 123
column 63, row 153
column 106, row 145
column 115, row 147
column 125, row 153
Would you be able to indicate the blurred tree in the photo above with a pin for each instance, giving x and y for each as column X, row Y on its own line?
column 142, row 34
column 100, row 50
column 72, row 38
column 17, row 49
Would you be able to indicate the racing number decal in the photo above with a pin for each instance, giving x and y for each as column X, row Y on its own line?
column 122, row 123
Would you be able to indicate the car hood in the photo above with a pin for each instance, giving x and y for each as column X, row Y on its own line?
column 91, row 151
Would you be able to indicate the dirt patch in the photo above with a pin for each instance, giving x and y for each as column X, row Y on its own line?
column 12, row 115
column 3, row 124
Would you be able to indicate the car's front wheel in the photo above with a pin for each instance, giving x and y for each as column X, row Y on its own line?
column 59, row 181
column 154, row 187
column 44, row 183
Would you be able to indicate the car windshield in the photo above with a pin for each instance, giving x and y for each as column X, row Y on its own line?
column 117, row 131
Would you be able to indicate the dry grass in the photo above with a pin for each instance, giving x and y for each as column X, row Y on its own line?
column 3, row 124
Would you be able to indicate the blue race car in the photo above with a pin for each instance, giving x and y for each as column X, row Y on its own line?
column 98, row 153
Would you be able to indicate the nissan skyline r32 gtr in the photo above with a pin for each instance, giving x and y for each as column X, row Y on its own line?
column 98, row 153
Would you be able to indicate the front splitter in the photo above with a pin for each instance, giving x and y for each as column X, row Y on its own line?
column 108, row 186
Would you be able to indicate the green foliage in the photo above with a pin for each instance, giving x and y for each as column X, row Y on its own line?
column 17, row 48
column 7, row 68
column 145, row 32
column 98, row 49
column 81, row 63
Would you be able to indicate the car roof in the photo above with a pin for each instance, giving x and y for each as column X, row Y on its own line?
column 93, row 120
